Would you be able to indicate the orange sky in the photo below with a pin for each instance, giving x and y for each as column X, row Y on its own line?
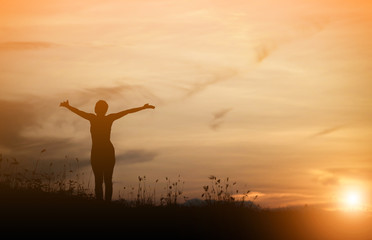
column 273, row 94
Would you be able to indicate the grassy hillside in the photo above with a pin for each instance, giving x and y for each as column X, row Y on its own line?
column 29, row 211
column 36, row 203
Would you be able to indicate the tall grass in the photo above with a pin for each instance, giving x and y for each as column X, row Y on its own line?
column 66, row 181
column 222, row 192
column 70, row 180
column 146, row 194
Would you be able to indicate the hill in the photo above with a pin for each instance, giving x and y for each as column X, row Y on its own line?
column 28, row 212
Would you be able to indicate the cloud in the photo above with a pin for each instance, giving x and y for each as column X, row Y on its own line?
column 31, row 123
column 333, row 176
column 15, row 116
column 264, row 50
column 56, row 151
column 136, row 156
column 220, row 114
column 311, row 25
column 284, row 199
column 265, row 47
column 329, row 180
column 213, row 77
column 356, row 173
column 218, row 118
column 109, row 92
column 302, row 29
column 19, row 116
column 26, row 45
column 126, row 92
column 326, row 178
column 26, row 128
column 328, row 131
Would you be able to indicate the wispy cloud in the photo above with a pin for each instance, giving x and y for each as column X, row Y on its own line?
column 264, row 50
column 16, row 116
column 334, row 176
column 356, row 173
column 328, row 131
column 20, row 136
column 211, row 77
column 107, row 92
column 26, row 45
column 311, row 25
column 125, row 92
column 327, row 179
column 30, row 124
column 136, row 156
column 302, row 29
column 285, row 199
column 218, row 118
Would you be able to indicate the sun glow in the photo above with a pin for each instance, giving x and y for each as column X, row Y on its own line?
column 352, row 200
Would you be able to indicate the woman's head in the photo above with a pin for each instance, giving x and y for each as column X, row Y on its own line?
column 101, row 108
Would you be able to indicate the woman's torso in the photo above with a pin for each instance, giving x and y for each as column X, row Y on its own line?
column 100, row 129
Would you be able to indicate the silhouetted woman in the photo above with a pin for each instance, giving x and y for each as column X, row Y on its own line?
column 103, row 153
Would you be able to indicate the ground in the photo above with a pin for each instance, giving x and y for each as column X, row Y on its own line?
column 29, row 212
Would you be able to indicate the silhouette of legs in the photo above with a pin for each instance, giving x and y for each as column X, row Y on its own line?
column 103, row 174
column 107, row 177
column 103, row 162
column 98, row 176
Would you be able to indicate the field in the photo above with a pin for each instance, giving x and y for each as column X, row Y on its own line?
column 38, row 203
column 29, row 212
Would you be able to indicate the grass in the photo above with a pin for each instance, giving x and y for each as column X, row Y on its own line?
column 68, row 181
column 41, row 200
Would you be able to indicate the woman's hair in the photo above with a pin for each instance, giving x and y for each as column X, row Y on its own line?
column 101, row 107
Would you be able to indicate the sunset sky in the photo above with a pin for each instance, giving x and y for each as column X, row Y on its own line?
column 275, row 95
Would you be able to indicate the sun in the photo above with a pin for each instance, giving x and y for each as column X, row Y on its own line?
column 352, row 200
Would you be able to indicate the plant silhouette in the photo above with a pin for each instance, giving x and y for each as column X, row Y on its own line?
column 103, row 152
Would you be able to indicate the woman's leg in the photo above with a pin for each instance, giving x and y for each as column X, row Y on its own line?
column 98, row 176
column 108, row 182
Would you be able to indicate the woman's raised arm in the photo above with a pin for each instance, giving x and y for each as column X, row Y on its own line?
column 82, row 114
column 121, row 114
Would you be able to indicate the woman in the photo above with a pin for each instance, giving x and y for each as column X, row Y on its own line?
column 103, row 153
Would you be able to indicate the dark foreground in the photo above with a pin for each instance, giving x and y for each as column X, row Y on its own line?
column 25, row 213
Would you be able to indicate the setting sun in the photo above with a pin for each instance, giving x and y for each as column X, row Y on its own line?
column 352, row 200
